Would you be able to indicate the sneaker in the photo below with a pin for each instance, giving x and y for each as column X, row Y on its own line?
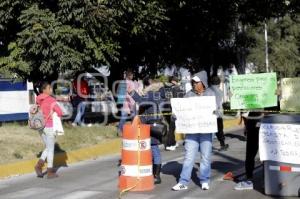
column 224, row 147
column 74, row 124
column 244, row 185
column 89, row 125
column 179, row 187
column 170, row 148
column 205, row 186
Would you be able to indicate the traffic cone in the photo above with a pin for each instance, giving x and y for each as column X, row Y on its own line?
column 136, row 165
column 228, row 176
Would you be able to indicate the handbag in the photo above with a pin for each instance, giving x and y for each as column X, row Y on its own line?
column 57, row 124
column 158, row 129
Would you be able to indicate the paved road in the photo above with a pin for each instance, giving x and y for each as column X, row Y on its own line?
column 98, row 179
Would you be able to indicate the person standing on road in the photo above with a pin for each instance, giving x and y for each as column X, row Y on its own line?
column 149, row 107
column 215, row 83
column 252, row 129
column 171, row 90
column 196, row 142
column 48, row 106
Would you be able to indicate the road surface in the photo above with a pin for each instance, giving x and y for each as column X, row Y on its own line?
column 98, row 179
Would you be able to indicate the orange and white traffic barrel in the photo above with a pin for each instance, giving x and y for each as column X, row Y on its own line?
column 136, row 165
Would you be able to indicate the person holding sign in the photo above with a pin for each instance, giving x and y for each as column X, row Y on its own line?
column 260, row 83
column 197, row 141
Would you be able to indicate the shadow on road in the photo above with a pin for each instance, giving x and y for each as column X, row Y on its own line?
column 236, row 136
column 60, row 157
column 174, row 168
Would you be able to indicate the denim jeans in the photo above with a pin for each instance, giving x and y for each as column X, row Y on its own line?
column 193, row 144
column 123, row 119
column 48, row 137
column 80, row 112
column 156, row 154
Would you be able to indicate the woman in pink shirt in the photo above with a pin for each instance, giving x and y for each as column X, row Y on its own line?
column 48, row 106
column 128, row 104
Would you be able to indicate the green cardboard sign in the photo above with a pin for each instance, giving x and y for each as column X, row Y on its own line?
column 253, row 91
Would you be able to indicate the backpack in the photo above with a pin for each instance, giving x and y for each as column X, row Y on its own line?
column 36, row 118
column 172, row 91
column 168, row 91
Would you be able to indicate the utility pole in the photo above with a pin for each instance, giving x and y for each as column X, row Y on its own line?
column 266, row 47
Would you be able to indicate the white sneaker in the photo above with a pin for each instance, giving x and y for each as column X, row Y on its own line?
column 244, row 185
column 89, row 125
column 205, row 186
column 74, row 124
column 179, row 187
column 171, row 148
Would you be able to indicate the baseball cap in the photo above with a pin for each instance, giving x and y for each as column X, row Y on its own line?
column 196, row 79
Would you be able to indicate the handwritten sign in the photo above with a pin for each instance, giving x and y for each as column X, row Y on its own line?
column 253, row 91
column 195, row 114
column 280, row 142
column 290, row 94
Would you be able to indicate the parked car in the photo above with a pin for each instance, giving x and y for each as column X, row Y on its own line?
column 99, row 103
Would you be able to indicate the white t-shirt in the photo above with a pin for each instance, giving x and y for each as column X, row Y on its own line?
column 169, row 71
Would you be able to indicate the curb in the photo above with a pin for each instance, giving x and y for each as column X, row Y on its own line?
column 63, row 159
column 109, row 147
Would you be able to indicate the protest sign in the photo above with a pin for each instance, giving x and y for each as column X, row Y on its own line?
column 253, row 91
column 290, row 94
column 280, row 142
column 195, row 114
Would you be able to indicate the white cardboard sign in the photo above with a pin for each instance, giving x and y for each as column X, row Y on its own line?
column 195, row 114
column 280, row 142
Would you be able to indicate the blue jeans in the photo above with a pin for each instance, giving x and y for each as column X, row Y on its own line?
column 80, row 112
column 123, row 119
column 156, row 154
column 194, row 143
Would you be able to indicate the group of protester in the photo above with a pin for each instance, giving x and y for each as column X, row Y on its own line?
column 153, row 105
column 150, row 102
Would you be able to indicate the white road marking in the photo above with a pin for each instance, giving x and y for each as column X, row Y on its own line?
column 26, row 193
column 138, row 196
column 80, row 195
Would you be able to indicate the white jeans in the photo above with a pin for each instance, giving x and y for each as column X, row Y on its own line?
column 48, row 137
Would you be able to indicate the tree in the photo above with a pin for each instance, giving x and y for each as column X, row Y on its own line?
column 284, row 45
column 40, row 39
column 51, row 37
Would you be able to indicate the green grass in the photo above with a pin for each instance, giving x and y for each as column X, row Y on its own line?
column 18, row 142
